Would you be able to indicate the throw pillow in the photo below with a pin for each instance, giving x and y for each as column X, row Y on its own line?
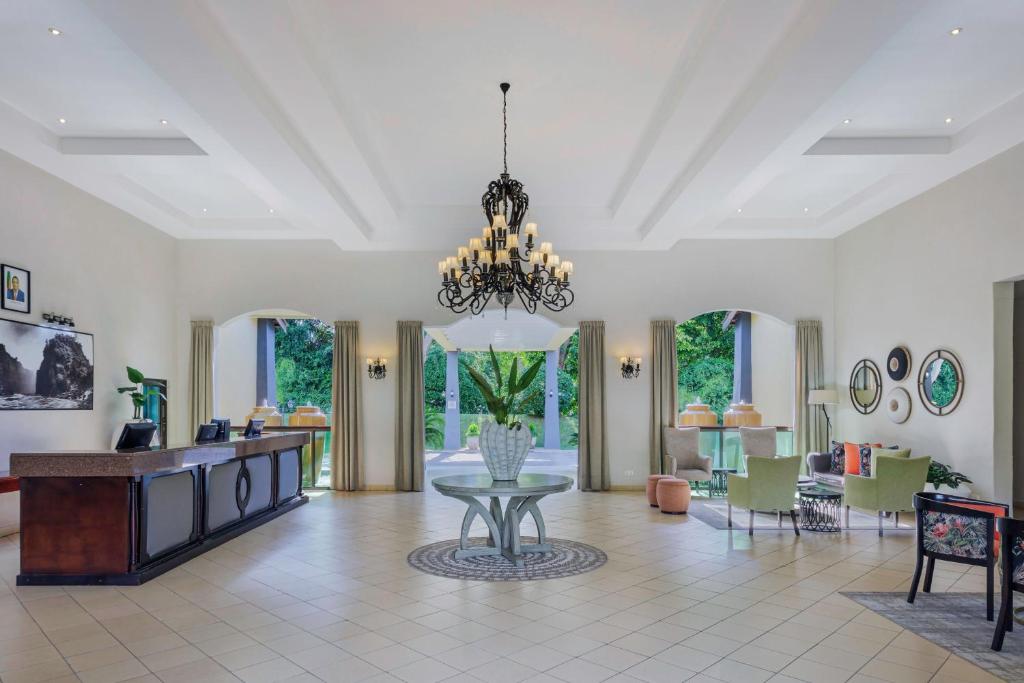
column 836, row 465
column 852, row 453
column 867, row 453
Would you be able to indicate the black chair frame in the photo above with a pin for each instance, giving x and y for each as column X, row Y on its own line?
column 1009, row 531
column 940, row 502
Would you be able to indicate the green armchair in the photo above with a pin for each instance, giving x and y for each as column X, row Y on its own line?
column 891, row 487
column 768, row 486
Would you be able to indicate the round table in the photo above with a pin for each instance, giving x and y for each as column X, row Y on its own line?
column 523, row 495
column 820, row 508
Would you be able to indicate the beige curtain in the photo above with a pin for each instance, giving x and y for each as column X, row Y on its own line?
column 409, row 408
column 347, row 466
column 663, row 387
column 200, row 375
column 593, row 440
column 810, row 374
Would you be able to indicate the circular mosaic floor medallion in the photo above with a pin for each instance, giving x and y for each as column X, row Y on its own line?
column 566, row 558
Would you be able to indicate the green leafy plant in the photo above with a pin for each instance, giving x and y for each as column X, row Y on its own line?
column 473, row 429
column 942, row 475
column 533, row 430
column 503, row 396
column 433, row 428
column 137, row 393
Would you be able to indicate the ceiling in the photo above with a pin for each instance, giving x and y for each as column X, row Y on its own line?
column 513, row 330
column 633, row 124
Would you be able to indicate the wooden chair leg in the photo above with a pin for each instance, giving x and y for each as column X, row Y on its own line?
column 927, row 588
column 792, row 518
column 1005, row 622
column 989, row 591
column 750, row 529
column 917, row 578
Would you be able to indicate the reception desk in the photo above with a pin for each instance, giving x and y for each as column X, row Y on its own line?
column 124, row 517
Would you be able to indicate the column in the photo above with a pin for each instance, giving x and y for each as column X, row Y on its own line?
column 452, row 427
column 741, row 374
column 266, row 382
column 551, row 435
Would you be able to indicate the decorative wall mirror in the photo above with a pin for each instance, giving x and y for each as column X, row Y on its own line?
column 865, row 386
column 940, row 382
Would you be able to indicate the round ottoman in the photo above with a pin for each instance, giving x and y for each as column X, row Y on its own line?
column 673, row 496
column 652, row 487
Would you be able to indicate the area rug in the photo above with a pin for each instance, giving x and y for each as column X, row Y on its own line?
column 567, row 558
column 955, row 621
column 714, row 513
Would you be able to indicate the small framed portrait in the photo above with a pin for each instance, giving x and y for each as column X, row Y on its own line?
column 17, row 294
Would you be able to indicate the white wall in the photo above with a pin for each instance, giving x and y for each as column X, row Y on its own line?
column 772, row 363
column 922, row 275
column 112, row 273
column 234, row 369
column 220, row 280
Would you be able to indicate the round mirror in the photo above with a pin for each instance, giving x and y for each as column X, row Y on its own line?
column 940, row 382
column 865, row 386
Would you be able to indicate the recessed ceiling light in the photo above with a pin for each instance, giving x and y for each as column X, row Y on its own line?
column 806, row 209
column 847, row 122
column 271, row 211
column 204, row 209
column 62, row 120
column 955, row 31
column 54, row 31
column 163, row 122
column 949, row 119
column 739, row 210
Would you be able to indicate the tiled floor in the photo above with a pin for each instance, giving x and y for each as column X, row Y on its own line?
column 324, row 593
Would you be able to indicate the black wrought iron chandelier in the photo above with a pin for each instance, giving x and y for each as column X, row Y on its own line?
column 500, row 264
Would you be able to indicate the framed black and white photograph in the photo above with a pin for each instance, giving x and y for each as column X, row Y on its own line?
column 17, row 294
column 44, row 368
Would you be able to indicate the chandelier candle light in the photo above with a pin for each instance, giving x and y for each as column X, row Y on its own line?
column 504, row 262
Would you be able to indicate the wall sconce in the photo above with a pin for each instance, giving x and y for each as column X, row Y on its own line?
column 630, row 367
column 64, row 320
column 377, row 367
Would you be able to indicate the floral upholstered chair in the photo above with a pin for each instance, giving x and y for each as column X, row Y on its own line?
column 1011, row 562
column 955, row 529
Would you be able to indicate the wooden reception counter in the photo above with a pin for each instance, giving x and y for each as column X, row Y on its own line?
column 124, row 517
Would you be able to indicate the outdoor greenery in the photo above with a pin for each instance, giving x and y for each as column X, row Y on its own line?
column 303, row 356
column 704, row 352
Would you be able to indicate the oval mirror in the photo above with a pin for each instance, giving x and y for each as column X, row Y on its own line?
column 940, row 382
column 865, row 386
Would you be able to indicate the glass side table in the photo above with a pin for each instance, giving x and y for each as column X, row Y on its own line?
column 820, row 509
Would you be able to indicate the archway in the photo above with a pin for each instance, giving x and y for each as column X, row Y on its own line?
column 454, row 409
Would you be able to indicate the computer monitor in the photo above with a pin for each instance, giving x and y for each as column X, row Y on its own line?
column 223, row 428
column 253, row 429
column 136, row 435
column 206, row 432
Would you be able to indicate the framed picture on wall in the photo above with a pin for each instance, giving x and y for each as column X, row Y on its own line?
column 17, row 294
column 44, row 368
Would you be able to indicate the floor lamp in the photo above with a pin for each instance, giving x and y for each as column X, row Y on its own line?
column 824, row 397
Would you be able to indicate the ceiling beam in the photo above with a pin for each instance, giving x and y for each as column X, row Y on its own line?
column 130, row 146
column 847, row 146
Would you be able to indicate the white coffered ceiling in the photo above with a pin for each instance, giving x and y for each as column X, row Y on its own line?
column 633, row 124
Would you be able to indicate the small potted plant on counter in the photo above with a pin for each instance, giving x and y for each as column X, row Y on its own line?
column 138, row 394
column 942, row 479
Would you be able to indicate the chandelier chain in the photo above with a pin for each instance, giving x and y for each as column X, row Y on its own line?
column 504, row 121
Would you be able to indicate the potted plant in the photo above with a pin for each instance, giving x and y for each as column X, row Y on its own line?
column 533, row 434
column 138, row 395
column 504, row 443
column 473, row 436
column 944, row 480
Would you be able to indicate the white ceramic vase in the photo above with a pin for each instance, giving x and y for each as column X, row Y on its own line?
column 504, row 450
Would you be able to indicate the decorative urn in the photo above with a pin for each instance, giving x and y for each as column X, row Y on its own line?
column 698, row 414
column 504, row 449
column 741, row 414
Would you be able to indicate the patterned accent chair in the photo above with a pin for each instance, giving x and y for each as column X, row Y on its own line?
column 955, row 529
column 891, row 489
column 768, row 486
column 1011, row 561
column 682, row 454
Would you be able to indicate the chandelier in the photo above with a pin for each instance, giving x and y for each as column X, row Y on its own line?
column 505, row 263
